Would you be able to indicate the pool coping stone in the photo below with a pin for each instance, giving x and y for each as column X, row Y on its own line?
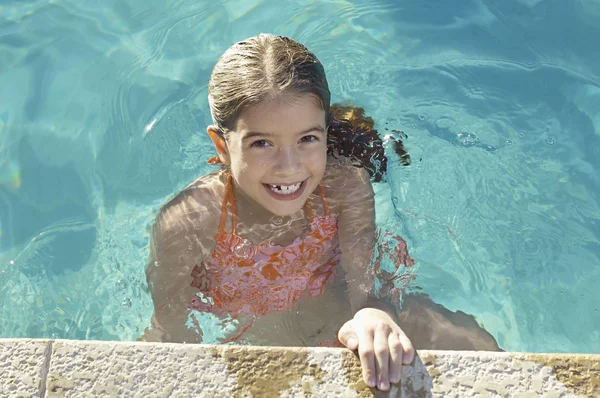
column 73, row 368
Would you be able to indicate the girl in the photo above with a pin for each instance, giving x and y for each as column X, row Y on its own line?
column 279, row 242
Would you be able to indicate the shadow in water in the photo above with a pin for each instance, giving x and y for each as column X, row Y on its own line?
column 48, row 221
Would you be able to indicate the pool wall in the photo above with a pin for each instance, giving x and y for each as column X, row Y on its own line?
column 65, row 368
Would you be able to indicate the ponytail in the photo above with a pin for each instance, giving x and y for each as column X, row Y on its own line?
column 351, row 134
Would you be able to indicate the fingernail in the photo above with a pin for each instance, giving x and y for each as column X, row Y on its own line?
column 371, row 382
column 394, row 378
column 406, row 359
column 384, row 385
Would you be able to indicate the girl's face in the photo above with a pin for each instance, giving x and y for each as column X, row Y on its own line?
column 278, row 151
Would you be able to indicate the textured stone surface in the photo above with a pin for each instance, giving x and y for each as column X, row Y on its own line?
column 579, row 373
column 65, row 368
column 470, row 374
column 22, row 364
column 87, row 368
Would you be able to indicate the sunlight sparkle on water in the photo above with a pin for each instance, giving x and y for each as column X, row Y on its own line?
column 10, row 175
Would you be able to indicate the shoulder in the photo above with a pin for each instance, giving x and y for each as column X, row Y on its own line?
column 346, row 184
column 342, row 175
column 194, row 207
column 339, row 168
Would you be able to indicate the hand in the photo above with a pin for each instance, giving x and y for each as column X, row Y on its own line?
column 382, row 346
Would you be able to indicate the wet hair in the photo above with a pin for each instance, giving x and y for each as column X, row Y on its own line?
column 352, row 134
column 265, row 67
column 262, row 67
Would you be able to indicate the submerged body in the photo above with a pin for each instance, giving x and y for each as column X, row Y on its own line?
column 281, row 282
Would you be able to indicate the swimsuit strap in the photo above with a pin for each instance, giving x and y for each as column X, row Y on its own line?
column 322, row 194
column 228, row 198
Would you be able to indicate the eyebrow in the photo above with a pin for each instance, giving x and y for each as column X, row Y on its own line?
column 254, row 134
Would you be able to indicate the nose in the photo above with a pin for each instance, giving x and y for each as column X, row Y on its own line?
column 288, row 162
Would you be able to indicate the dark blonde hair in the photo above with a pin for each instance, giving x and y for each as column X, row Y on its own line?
column 266, row 66
column 260, row 67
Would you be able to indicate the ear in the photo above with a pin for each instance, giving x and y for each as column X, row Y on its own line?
column 220, row 144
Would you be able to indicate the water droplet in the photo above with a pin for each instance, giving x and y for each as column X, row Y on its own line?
column 53, row 336
column 509, row 142
column 467, row 139
column 550, row 141
column 414, row 126
column 421, row 117
column 190, row 247
column 506, row 261
column 132, row 278
column 121, row 284
column 156, row 263
column 395, row 201
column 12, row 262
column 521, row 135
column 277, row 220
column 243, row 250
column 126, row 302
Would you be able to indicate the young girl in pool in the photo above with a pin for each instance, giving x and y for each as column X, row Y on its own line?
column 279, row 242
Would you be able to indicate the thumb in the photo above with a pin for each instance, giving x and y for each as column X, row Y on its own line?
column 347, row 336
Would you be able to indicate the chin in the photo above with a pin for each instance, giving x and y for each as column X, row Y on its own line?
column 283, row 208
column 288, row 211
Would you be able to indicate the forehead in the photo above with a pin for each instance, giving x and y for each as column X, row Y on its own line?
column 287, row 113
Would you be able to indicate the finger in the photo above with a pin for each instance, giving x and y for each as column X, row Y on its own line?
column 367, row 358
column 382, row 356
column 395, row 357
column 347, row 337
column 408, row 355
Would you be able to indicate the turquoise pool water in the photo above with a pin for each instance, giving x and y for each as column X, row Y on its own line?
column 103, row 111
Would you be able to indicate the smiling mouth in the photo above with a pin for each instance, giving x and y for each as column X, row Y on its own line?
column 284, row 189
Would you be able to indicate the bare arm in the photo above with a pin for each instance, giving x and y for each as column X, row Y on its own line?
column 382, row 345
column 180, row 240
column 358, row 238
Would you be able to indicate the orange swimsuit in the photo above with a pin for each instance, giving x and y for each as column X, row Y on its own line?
column 242, row 280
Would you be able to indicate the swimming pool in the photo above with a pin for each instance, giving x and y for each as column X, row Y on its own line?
column 103, row 115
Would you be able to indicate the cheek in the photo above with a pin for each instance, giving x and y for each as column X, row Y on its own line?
column 251, row 163
column 318, row 157
column 262, row 163
column 258, row 164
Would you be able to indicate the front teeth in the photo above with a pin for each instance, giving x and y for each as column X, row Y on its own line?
column 285, row 189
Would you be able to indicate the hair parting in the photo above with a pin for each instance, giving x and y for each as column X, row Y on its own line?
column 266, row 67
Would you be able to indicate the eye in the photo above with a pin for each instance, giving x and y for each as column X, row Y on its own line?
column 309, row 138
column 259, row 144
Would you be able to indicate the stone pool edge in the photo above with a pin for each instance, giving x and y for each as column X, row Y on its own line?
column 62, row 368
